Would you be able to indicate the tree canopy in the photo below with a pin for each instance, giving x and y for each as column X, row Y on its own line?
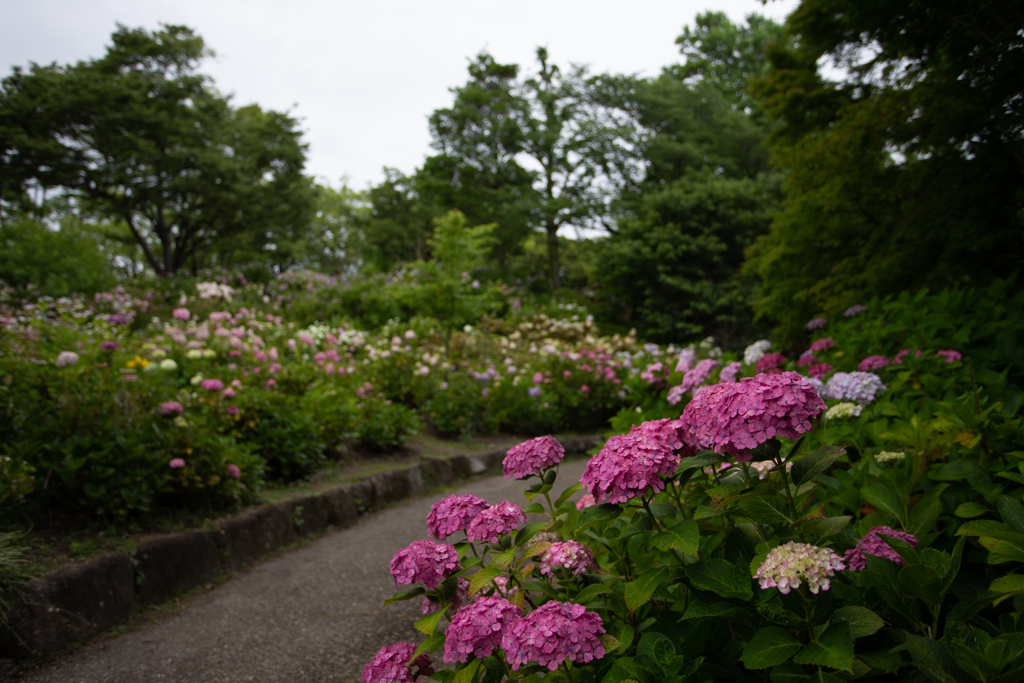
column 141, row 136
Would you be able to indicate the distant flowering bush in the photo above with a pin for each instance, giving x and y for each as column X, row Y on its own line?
column 755, row 351
column 66, row 358
column 700, row 374
column 873, row 363
column 873, row 543
column 181, row 314
column 789, row 566
column 212, row 384
column 171, row 409
column 816, row 323
column 453, row 514
column 950, row 355
column 859, row 387
column 532, row 457
column 176, row 463
column 822, row 344
column 856, row 309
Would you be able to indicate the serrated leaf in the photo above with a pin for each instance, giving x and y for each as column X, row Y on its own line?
column 612, row 644
column 567, row 494
column 427, row 624
column 638, row 591
column 833, row 648
column 829, row 526
column 1000, row 551
column 482, row 578
column 884, row 575
column 721, row 577
column 788, row 672
column 537, row 548
column 591, row 592
column 990, row 529
column 598, row 513
column 923, row 582
column 816, row 513
column 1012, row 583
column 429, row 645
column 683, row 537
column 468, row 675
column 701, row 460
column 1012, row 512
column 767, row 510
column 971, row 510
column 528, row 532
column 405, row 595
column 769, row 647
column 886, row 500
column 504, row 560
column 779, row 615
column 700, row 610
column 534, row 508
column 931, row 657
column 811, row 465
column 861, row 620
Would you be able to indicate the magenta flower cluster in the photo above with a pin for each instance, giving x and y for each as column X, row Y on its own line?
column 425, row 562
column 950, row 355
column 630, row 464
column 822, row 344
column 477, row 628
column 452, row 514
column 572, row 556
column 731, row 418
column 770, row 361
column 532, row 457
column 553, row 633
column 212, row 384
column 873, row 363
column 698, row 375
column 873, row 544
column 391, row 665
column 171, row 409
column 496, row 521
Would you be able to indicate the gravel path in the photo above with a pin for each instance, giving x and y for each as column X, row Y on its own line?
column 312, row 614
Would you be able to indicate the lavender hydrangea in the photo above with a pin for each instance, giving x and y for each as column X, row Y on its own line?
column 698, row 375
column 496, row 521
column 789, row 566
column 391, row 665
column 572, row 556
column 686, row 359
column 730, row 372
column 477, row 628
column 816, row 323
column 532, row 457
column 553, row 633
column 859, row 387
column 454, row 513
column 873, row 363
column 632, row 463
column 755, row 351
column 732, row 418
column 873, row 544
column 424, row 561
column 856, row 309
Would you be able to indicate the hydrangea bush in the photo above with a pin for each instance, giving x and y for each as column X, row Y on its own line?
column 718, row 546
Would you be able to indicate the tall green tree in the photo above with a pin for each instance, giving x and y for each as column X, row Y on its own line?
column 139, row 135
column 907, row 171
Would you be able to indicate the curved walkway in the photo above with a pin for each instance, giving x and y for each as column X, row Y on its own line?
column 312, row 614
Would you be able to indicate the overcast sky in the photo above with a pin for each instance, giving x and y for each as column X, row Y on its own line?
column 364, row 76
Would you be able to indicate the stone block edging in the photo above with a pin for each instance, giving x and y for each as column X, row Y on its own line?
column 75, row 603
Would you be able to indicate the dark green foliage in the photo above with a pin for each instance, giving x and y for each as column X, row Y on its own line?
column 55, row 262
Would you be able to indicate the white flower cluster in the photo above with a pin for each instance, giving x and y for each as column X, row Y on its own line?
column 890, row 456
column 789, row 565
column 843, row 410
column 755, row 351
column 214, row 290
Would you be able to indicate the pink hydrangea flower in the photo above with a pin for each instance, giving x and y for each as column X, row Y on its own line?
column 391, row 665
column 675, row 395
column 478, row 627
column 532, row 457
column 586, row 500
column 873, row 363
column 819, row 370
column 181, row 314
column 822, row 344
column 171, row 409
column 630, row 464
column 176, row 463
column 424, row 561
column 950, row 355
column 212, row 384
column 553, row 633
column 730, row 372
column 770, row 361
column 873, row 544
column 496, row 521
column 232, row 410
column 233, row 471
column 789, row 565
column 806, row 358
column 452, row 514
column 686, row 360
column 732, row 418
column 898, row 360
column 698, row 375
column 572, row 556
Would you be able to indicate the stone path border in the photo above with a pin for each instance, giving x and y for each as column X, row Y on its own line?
column 72, row 604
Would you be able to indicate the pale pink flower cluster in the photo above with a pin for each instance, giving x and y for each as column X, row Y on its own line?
column 453, row 513
column 181, row 314
column 391, row 665
column 425, row 561
column 572, row 556
column 873, row 544
column 233, row 471
column 212, row 384
column 630, row 464
column 171, row 409
column 698, row 375
column 553, row 633
column 730, row 372
column 586, row 500
column 950, row 355
column 532, row 457
column 789, row 565
column 478, row 627
column 496, row 521
column 66, row 358
column 686, row 359
column 731, row 418
column 176, row 463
